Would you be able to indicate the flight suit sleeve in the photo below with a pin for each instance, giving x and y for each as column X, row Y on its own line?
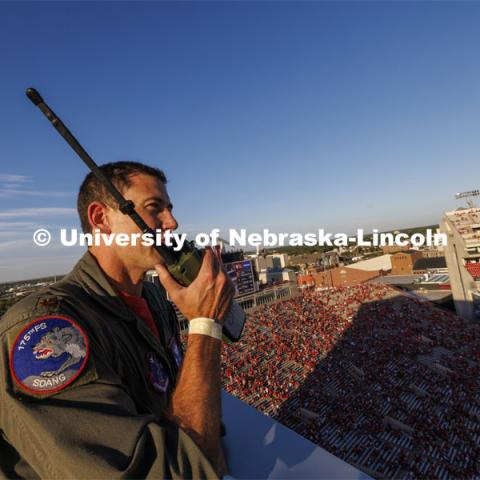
column 92, row 429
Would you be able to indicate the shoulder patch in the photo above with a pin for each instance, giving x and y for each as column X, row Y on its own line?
column 48, row 355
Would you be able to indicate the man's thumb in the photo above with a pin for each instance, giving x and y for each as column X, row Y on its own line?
column 166, row 279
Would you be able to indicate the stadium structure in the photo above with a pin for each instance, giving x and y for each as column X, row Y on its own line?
column 462, row 254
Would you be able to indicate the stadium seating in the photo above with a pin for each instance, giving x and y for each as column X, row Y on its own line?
column 473, row 269
column 378, row 378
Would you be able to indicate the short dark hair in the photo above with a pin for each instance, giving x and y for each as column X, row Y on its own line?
column 119, row 173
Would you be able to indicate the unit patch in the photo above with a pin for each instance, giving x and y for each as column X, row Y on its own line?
column 48, row 354
column 157, row 374
column 177, row 355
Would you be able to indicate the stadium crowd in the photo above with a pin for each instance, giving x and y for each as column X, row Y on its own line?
column 383, row 380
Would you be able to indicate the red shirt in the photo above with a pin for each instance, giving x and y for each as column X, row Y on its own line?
column 140, row 306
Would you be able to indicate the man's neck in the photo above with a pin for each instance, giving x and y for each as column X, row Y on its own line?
column 119, row 276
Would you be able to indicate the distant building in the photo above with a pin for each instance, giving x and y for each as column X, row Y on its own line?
column 271, row 268
column 337, row 277
column 263, row 263
column 432, row 286
column 280, row 260
column 268, row 277
column 395, row 248
column 324, row 260
column 383, row 262
column 289, row 275
column 402, row 262
column 432, row 264
column 348, row 275
column 433, row 252
column 462, row 255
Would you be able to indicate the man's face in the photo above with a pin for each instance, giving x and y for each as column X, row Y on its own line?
column 153, row 204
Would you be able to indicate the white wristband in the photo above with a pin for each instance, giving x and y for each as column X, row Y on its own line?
column 205, row 326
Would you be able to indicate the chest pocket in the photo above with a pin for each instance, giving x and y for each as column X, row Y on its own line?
column 143, row 371
column 147, row 365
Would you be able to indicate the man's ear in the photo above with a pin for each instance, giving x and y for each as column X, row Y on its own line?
column 98, row 218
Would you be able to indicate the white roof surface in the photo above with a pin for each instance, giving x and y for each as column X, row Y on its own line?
column 259, row 447
column 378, row 263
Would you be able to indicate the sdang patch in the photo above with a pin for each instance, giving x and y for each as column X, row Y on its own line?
column 48, row 354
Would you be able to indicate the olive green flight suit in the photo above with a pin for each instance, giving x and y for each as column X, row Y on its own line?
column 109, row 422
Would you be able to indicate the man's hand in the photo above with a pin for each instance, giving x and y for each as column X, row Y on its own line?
column 209, row 295
column 196, row 402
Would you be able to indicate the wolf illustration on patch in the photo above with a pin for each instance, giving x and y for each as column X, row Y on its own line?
column 56, row 343
column 48, row 354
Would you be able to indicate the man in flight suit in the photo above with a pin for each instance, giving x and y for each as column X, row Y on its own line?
column 93, row 383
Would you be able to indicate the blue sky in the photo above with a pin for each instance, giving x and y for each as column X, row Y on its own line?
column 291, row 116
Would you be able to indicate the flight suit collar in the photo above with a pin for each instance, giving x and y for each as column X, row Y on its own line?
column 92, row 279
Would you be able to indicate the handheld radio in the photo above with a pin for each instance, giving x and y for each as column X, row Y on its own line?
column 183, row 265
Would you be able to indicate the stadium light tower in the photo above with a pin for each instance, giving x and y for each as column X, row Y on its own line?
column 469, row 196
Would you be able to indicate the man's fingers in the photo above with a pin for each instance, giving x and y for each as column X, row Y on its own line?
column 166, row 279
column 218, row 254
column 209, row 263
